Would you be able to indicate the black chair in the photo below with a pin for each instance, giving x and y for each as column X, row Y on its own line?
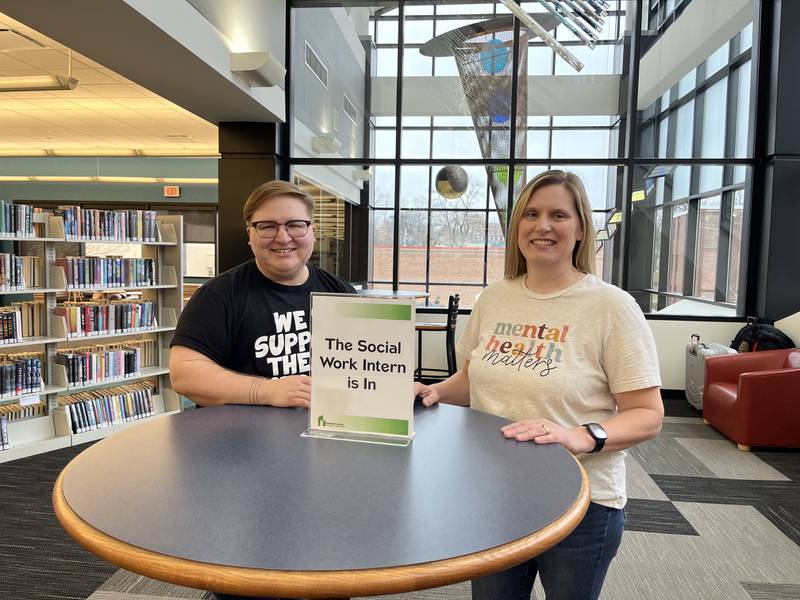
column 449, row 327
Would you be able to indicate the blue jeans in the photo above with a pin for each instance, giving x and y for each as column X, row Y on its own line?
column 574, row 569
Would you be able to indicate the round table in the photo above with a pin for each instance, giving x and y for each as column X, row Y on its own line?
column 232, row 499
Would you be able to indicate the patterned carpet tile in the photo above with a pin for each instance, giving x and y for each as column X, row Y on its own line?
column 786, row 518
column 663, row 456
column 652, row 566
column 640, row 484
column 164, row 591
column 735, row 543
column 772, row 591
column 785, row 461
column 705, row 522
column 739, row 542
column 727, row 491
column 725, row 460
column 124, row 582
column 696, row 430
column 656, row 517
column 39, row 559
column 680, row 407
column 124, row 585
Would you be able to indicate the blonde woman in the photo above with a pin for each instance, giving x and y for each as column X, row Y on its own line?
column 570, row 360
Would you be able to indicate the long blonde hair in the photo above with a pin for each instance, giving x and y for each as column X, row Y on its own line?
column 583, row 254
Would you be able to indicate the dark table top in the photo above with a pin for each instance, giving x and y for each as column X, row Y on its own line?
column 237, row 486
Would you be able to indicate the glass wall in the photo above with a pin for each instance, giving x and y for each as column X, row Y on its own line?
column 694, row 125
column 456, row 106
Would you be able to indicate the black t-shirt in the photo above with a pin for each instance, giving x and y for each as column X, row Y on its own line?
column 245, row 322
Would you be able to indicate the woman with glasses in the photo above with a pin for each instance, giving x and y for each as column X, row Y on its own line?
column 244, row 336
column 570, row 360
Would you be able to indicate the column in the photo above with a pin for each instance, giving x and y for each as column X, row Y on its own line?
column 247, row 160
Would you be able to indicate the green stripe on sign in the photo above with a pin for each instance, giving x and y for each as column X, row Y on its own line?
column 374, row 424
column 362, row 310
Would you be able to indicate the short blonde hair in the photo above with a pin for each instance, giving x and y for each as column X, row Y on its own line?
column 583, row 254
column 271, row 189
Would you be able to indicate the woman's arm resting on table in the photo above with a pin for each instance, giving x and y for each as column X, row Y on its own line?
column 205, row 382
column 639, row 419
column 453, row 390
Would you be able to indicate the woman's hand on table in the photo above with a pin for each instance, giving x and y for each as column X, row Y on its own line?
column 426, row 393
column 542, row 431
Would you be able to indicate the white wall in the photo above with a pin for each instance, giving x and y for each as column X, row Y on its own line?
column 696, row 34
column 212, row 30
column 671, row 338
column 791, row 327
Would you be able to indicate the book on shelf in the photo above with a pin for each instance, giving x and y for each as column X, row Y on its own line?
column 17, row 220
column 87, row 318
column 4, row 442
column 19, row 272
column 20, row 320
column 91, row 224
column 87, row 365
column 20, row 373
column 107, row 271
column 17, row 412
column 98, row 409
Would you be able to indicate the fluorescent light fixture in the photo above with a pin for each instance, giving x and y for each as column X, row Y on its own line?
column 207, row 152
column 61, row 178
column 198, row 180
column 37, row 83
column 22, row 152
column 107, row 179
column 89, row 152
column 362, row 174
column 325, row 144
column 183, row 152
column 257, row 69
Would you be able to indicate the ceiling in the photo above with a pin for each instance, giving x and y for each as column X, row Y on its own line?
column 106, row 114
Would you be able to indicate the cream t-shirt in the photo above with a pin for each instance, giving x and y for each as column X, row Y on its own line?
column 560, row 356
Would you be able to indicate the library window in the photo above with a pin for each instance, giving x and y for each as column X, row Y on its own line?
column 449, row 150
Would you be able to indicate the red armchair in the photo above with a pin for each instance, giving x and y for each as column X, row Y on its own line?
column 754, row 398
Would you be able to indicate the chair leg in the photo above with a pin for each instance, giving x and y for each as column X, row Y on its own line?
column 743, row 447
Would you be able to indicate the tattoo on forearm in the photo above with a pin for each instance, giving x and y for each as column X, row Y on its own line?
column 255, row 386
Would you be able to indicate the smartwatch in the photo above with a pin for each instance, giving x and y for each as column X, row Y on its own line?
column 598, row 434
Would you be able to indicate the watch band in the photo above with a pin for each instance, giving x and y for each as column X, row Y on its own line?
column 598, row 434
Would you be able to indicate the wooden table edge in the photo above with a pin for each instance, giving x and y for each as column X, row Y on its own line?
column 316, row 584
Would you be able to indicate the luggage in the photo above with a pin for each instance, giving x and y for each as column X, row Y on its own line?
column 760, row 335
column 696, row 352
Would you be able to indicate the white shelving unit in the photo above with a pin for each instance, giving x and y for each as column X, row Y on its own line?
column 54, row 430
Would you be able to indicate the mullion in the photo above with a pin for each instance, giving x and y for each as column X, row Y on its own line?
column 430, row 200
column 398, row 145
column 726, row 198
column 613, row 162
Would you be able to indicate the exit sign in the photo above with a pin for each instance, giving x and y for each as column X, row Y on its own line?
column 172, row 191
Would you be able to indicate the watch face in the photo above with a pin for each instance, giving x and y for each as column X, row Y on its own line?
column 597, row 431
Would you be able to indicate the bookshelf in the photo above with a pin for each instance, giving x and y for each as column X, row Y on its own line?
column 115, row 401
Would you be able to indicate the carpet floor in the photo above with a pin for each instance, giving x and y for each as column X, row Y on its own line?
column 705, row 522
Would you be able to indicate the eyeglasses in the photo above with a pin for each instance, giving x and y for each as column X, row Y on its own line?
column 268, row 230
